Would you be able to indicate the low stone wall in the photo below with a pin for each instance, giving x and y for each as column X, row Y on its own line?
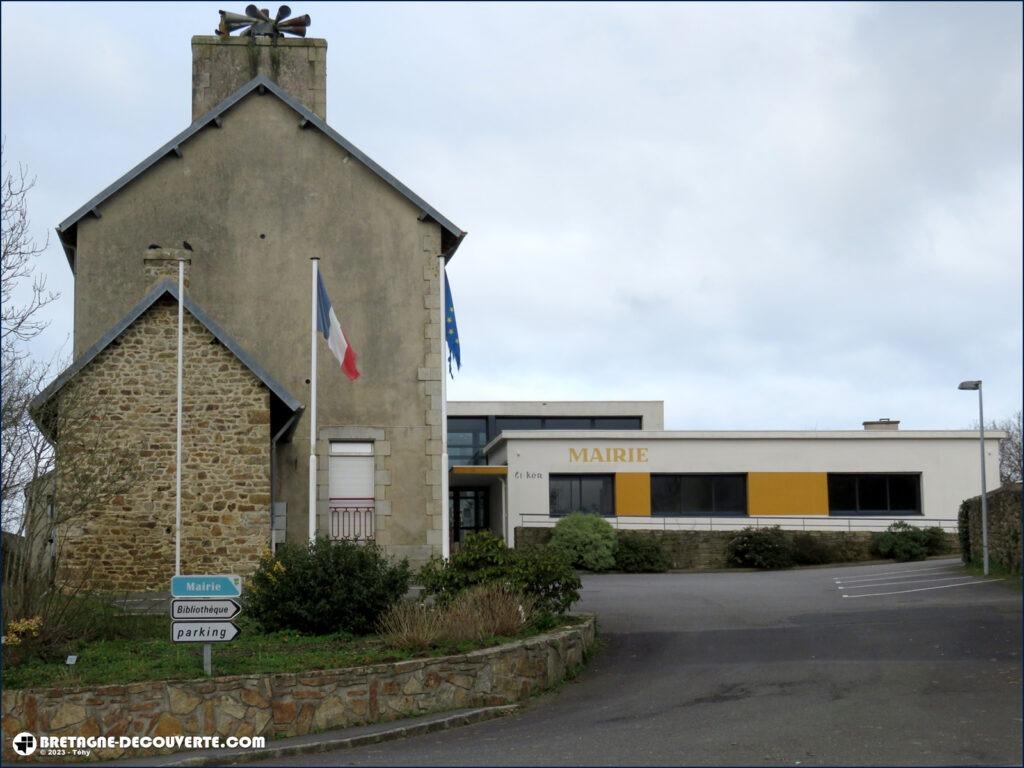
column 1004, row 513
column 706, row 550
column 283, row 705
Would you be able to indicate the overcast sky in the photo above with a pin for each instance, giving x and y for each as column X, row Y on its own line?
column 768, row 216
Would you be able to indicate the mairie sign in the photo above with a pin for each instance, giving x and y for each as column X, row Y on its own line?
column 206, row 586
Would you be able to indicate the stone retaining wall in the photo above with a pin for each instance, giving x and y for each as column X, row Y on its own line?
column 293, row 704
column 1004, row 513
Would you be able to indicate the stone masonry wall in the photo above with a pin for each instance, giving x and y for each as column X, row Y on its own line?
column 126, row 542
column 220, row 66
column 283, row 705
column 1004, row 514
column 706, row 550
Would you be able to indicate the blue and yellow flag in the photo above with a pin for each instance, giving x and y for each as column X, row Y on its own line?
column 451, row 330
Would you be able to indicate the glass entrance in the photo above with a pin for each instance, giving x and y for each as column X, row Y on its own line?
column 470, row 511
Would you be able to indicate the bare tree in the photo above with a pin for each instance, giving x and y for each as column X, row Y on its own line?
column 25, row 454
column 49, row 481
column 1009, row 448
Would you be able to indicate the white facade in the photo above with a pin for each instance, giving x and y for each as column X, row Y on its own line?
column 948, row 463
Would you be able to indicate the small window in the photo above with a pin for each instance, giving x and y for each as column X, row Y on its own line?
column 350, row 476
column 698, row 495
column 590, row 494
column 874, row 494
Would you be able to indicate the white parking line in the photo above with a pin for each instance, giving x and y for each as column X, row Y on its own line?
column 890, row 574
column 923, row 589
column 901, row 581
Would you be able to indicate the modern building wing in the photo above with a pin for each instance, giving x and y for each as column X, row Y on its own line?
column 854, row 480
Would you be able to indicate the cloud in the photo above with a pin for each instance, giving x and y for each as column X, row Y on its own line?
column 768, row 215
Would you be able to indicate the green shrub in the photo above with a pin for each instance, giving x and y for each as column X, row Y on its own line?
column 324, row 587
column 639, row 553
column 809, row 549
column 902, row 542
column 544, row 575
column 935, row 541
column 587, row 540
column 482, row 558
column 766, row 548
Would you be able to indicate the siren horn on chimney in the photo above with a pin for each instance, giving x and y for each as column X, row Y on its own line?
column 257, row 22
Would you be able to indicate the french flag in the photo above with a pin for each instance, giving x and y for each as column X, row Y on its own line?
column 327, row 323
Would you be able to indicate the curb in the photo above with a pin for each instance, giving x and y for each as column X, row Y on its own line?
column 336, row 740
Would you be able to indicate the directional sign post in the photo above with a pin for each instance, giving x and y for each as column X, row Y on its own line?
column 206, row 586
column 203, row 631
column 200, row 611
column 196, row 610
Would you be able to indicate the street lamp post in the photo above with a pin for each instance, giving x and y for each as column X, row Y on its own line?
column 972, row 385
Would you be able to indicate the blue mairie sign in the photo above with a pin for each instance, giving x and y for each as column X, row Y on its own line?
column 206, row 586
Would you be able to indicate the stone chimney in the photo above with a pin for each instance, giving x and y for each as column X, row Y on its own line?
column 882, row 425
column 221, row 65
column 159, row 263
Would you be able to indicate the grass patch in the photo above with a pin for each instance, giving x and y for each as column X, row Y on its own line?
column 995, row 571
column 148, row 654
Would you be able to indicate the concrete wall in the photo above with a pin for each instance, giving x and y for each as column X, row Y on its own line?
column 126, row 542
column 947, row 461
column 254, row 221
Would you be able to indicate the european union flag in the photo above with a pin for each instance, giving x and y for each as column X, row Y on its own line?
column 451, row 330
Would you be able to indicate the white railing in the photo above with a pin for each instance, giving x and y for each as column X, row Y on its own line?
column 794, row 523
column 352, row 519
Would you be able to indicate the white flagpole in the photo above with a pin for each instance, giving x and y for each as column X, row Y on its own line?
column 177, row 460
column 445, row 512
column 312, row 405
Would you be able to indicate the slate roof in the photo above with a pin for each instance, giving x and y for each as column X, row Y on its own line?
column 161, row 289
column 451, row 235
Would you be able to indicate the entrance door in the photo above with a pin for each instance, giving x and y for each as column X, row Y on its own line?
column 470, row 511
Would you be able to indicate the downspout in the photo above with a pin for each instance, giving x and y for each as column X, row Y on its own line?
column 273, row 465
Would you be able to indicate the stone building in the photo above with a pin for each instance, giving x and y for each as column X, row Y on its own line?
column 257, row 185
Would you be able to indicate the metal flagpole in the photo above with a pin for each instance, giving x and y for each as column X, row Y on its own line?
column 177, row 461
column 445, row 512
column 312, row 404
column 984, row 491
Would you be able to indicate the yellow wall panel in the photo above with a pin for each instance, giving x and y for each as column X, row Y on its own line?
column 787, row 493
column 633, row 494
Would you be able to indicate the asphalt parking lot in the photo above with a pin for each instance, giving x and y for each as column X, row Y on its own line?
column 906, row 664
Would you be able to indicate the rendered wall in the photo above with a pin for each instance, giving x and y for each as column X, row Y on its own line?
column 948, row 463
column 254, row 223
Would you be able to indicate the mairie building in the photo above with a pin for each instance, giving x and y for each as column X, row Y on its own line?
column 245, row 195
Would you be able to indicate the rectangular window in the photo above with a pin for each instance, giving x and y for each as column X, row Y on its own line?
column 698, row 495
column 350, row 476
column 466, row 440
column 891, row 495
column 590, row 494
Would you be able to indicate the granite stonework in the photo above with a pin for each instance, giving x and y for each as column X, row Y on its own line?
column 294, row 704
column 126, row 542
column 1004, row 514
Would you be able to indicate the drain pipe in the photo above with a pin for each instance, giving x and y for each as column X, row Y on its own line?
column 273, row 465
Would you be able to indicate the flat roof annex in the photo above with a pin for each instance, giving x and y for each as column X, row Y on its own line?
column 169, row 287
column 634, row 435
column 67, row 230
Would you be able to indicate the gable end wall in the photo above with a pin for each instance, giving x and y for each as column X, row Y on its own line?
column 126, row 543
